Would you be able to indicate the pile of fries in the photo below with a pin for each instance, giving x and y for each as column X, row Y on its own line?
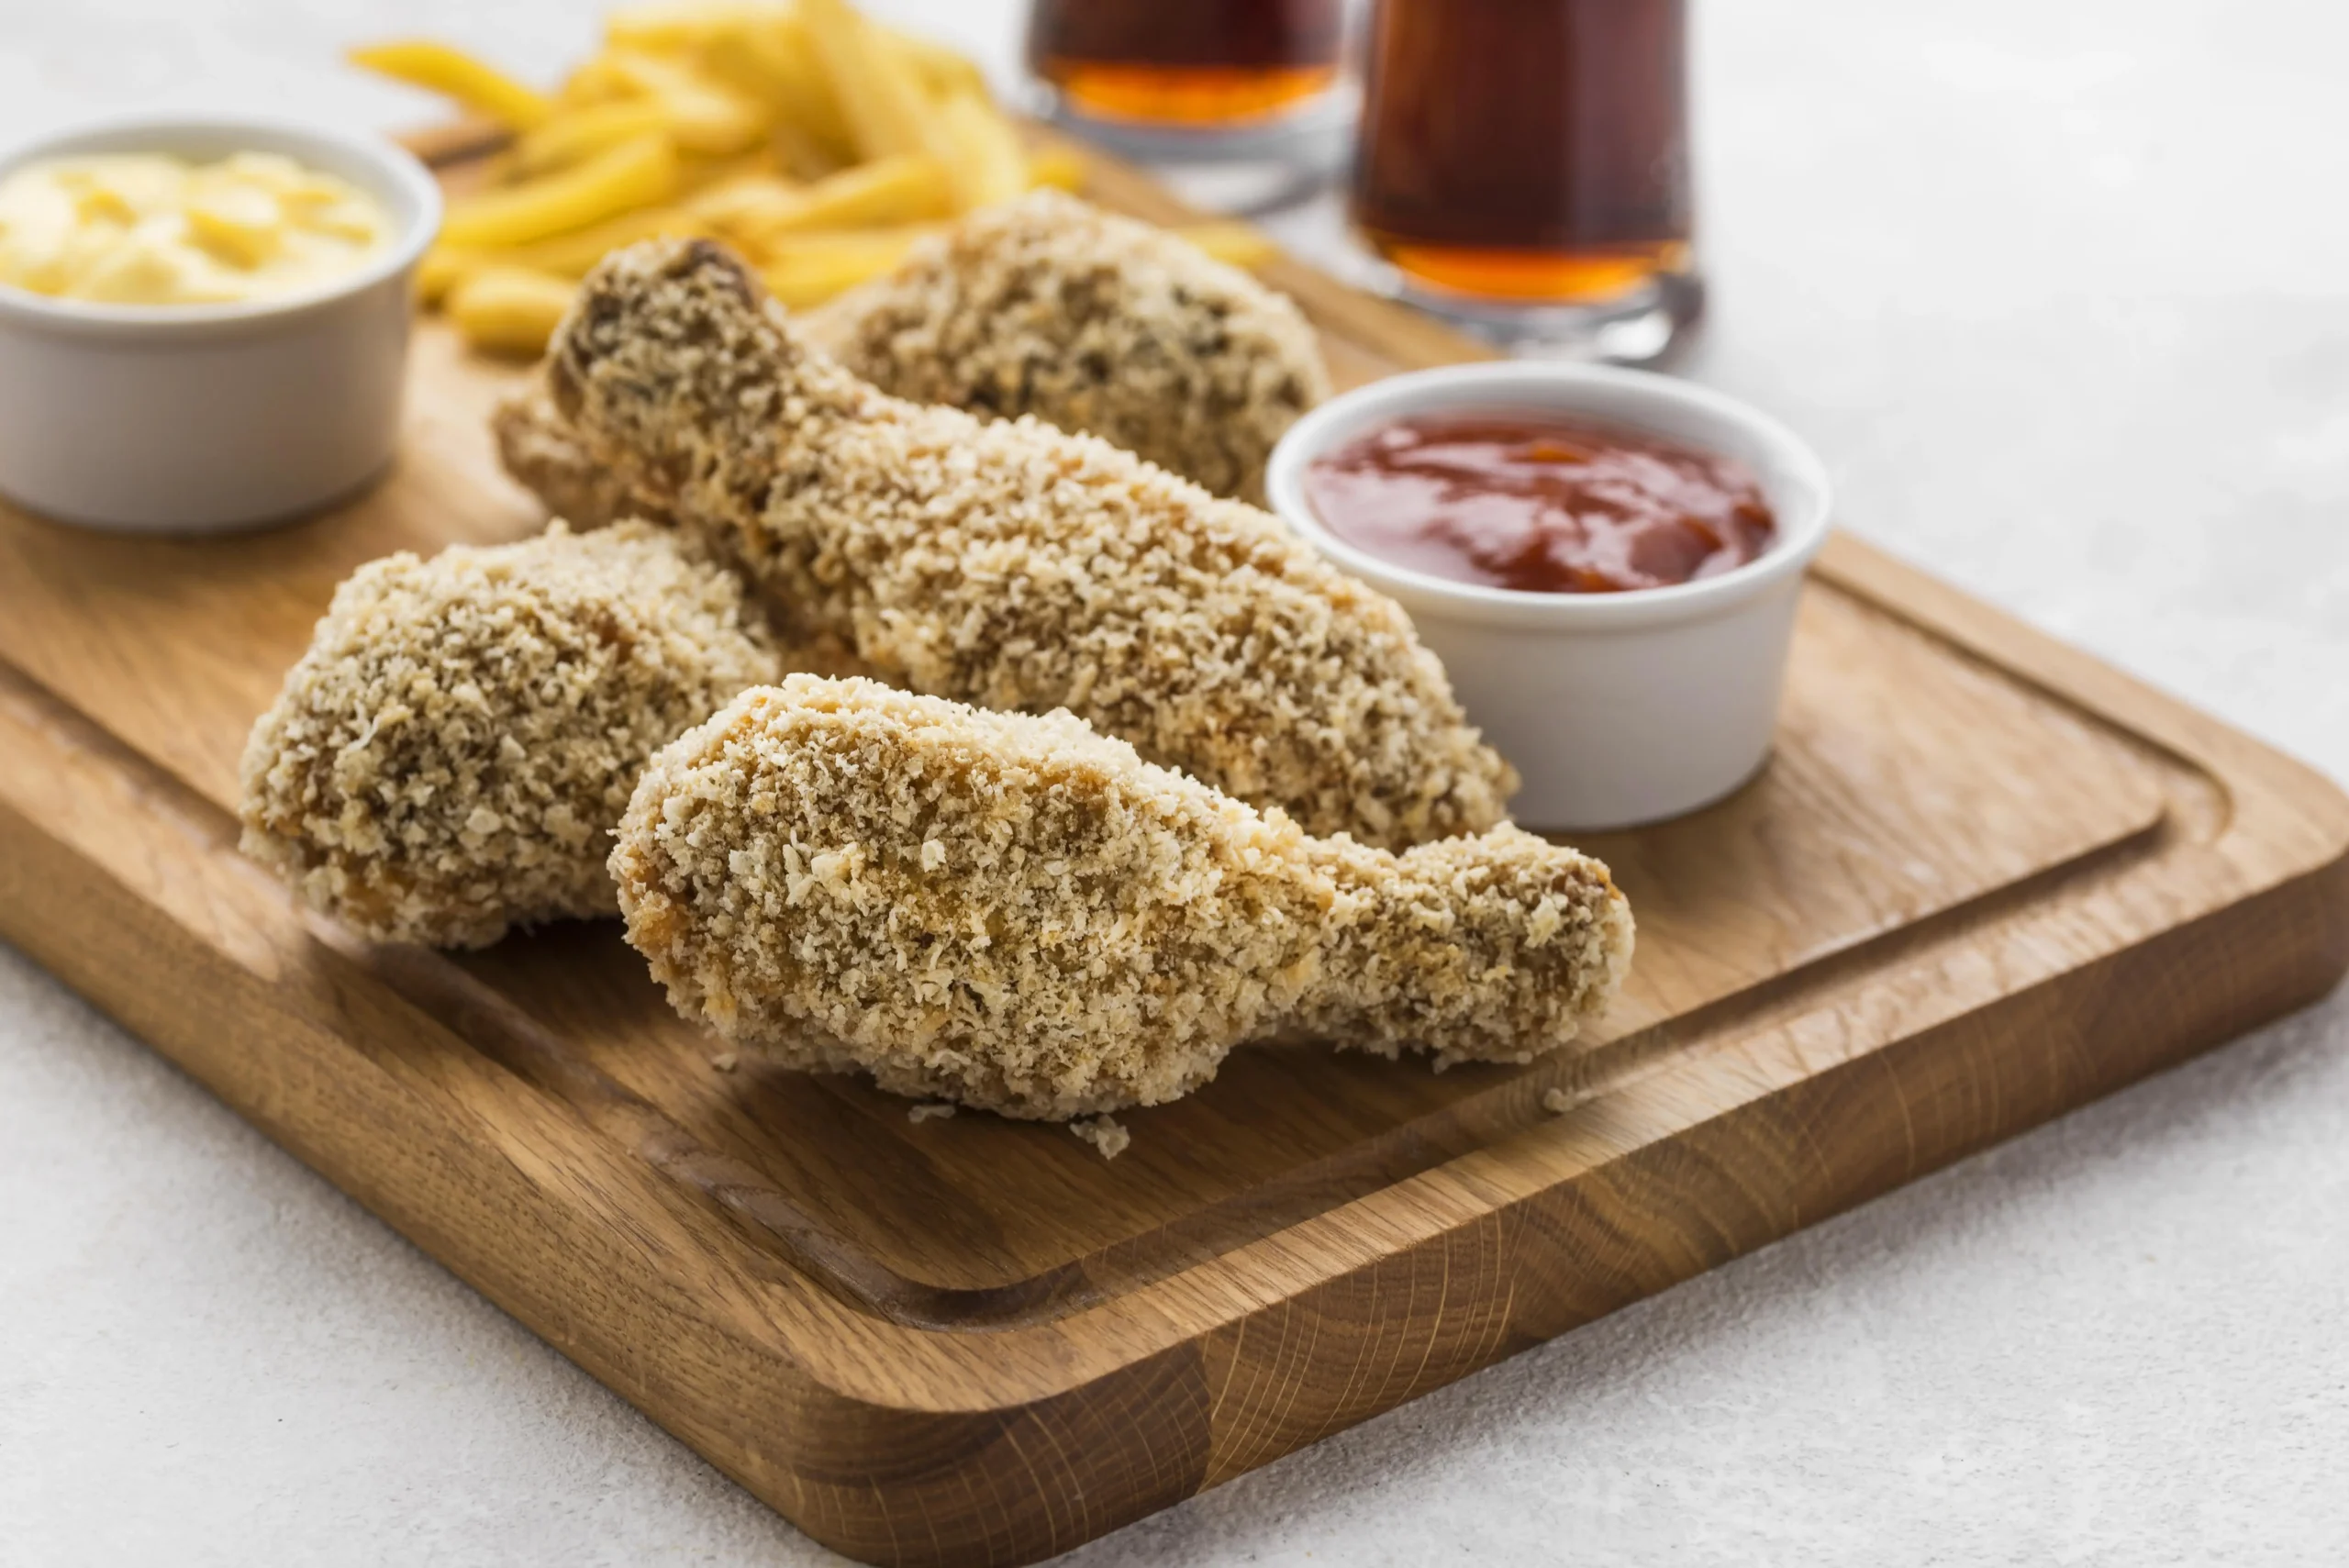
column 820, row 144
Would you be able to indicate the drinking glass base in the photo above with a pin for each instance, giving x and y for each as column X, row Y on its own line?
column 1651, row 325
column 1250, row 167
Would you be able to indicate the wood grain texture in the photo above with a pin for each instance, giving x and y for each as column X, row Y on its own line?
column 1982, row 880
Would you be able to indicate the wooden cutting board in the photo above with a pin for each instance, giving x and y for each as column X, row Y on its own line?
column 1985, row 879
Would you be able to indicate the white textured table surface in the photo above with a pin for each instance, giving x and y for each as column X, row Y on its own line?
column 2063, row 293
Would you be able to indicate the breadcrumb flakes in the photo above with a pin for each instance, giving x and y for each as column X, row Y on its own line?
column 1016, row 567
column 1103, row 1133
column 448, row 757
column 1102, row 932
column 1047, row 305
column 541, row 452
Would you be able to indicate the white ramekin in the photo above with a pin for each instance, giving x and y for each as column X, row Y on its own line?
column 193, row 418
column 1619, row 708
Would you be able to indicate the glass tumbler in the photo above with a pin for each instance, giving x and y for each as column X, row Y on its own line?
column 1256, row 89
column 1523, row 170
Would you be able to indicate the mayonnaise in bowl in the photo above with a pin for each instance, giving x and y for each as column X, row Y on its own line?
column 203, row 317
column 149, row 229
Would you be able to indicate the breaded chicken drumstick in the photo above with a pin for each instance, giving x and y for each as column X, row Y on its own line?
column 1014, row 566
column 1094, row 323
column 449, row 756
column 1017, row 913
column 1044, row 306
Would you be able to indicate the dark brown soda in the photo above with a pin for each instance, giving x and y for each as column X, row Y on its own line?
column 1198, row 63
column 1527, row 150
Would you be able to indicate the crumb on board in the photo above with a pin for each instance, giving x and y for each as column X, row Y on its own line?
column 938, row 1109
column 1103, row 1133
column 725, row 1061
column 1557, row 1101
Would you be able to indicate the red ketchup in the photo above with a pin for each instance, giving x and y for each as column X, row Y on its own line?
column 1540, row 503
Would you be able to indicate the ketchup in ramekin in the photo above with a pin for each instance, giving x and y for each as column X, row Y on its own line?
column 1540, row 503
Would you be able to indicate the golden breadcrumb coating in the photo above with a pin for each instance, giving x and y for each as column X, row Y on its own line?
column 1048, row 307
column 449, row 756
column 544, row 456
column 1015, row 911
column 1094, row 323
column 1015, row 566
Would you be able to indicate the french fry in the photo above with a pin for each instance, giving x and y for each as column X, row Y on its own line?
column 597, row 81
column 638, row 172
column 510, row 309
column 442, row 269
column 573, row 254
column 706, row 27
column 678, row 26
column 475, row 84
column 1062, row 168
column 943, row 71
column 880, row 96
column 697, row 175
column 1240, row 244
column 703, row 117
column 805, row 287
column 805, row 270
column 891, row 240
column 824, row 144
column 810, row 270
column 979, row 149
column 747, row 202
column 887, row 191
column 778, row 64
column 804, row 157
column 889, row 110
column 568, row 255
column 573, row 134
